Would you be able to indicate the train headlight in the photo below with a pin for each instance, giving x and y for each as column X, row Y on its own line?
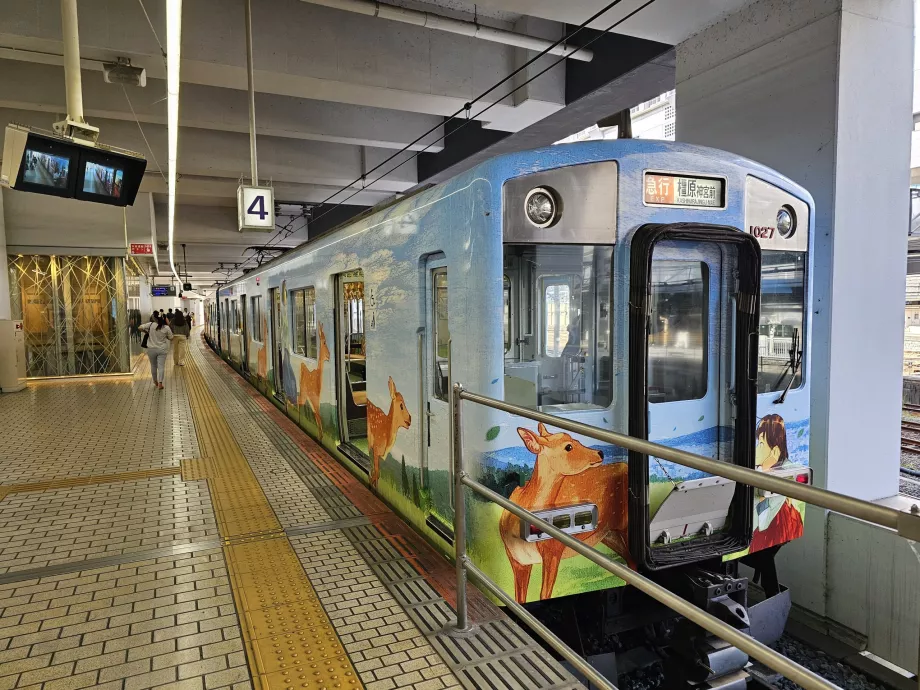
column 541, row 207
column 785, row 222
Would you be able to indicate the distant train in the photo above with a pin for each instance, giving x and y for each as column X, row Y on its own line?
column 650, row 288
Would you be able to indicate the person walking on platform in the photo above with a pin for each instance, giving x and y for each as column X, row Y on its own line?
column 181, row 331
column 169, row 317
column 157, row 348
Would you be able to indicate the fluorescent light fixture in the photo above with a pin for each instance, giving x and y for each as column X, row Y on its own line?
column 173, row 45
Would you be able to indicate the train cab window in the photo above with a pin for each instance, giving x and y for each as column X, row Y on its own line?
column 782, row 311
column 559, row 354
column 441, row 334
column 677, row 342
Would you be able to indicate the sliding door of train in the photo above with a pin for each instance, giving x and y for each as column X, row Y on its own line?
column 688, row 349
column 436, row 477
column 244, row 331
column 274, row 296
column 351, row 366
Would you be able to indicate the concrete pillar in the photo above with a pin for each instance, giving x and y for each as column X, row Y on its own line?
column 5, row 308
column 821, row 90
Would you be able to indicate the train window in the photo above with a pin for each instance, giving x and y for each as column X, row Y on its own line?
column 309, row 305
column 234, row 318
column 441, row 334
column 256, row 318
column 678, row 355
column 782, row 311
column 556, row 323
column 299, row 321
column 559, row 355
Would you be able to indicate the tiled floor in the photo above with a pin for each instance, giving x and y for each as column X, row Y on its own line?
column 137, row 581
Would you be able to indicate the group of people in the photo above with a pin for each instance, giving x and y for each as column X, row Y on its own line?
column 162, row 328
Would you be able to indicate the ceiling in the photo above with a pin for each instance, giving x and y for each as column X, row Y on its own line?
column 337, row 94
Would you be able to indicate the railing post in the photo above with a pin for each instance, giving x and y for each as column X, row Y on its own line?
column 459, row 508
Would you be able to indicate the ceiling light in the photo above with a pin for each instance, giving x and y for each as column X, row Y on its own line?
column 173, row 45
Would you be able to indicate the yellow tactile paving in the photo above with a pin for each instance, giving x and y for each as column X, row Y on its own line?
column 83, row 481
column 290, row 642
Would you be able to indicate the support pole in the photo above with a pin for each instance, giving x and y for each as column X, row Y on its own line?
column 73, row 124
column 459, row 510
column 72, row 77
column 254, row 166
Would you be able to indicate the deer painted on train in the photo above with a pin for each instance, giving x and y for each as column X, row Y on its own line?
column 311, row 382
column 382, row 428
column 566, row 473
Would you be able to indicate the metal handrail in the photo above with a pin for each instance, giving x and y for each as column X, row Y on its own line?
column 907, row 524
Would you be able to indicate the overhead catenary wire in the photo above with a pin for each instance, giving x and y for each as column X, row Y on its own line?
column 466, row 110
column 150, row 24
column 144, row 136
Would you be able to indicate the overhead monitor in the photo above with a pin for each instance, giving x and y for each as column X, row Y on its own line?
column 44, row 163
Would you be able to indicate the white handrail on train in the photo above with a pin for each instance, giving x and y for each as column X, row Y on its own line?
column 907, row 525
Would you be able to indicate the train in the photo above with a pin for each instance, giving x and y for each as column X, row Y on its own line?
column 653, row 288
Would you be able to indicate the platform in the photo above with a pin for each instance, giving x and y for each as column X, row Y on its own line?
column 196, row 538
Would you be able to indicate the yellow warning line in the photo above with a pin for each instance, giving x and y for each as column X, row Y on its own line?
column 83, row 481
column 290, row 642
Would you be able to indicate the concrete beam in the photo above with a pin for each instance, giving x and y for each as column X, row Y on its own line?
column 38, row 87
column 635, row 86
column 226, row 154
column 300, row 50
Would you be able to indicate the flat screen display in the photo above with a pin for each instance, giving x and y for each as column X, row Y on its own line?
column 160, row 291
column 46, row 169
column 662, row 189
column 103, row 180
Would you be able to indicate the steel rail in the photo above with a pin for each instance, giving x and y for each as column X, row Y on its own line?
column 907, row 524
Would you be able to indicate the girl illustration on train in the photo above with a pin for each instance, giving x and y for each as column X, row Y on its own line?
column 778, row 520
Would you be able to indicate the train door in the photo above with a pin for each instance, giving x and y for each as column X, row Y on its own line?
column 692, row 365
column 276, row 344
column 438, row 477
column 351, row 366
column 244, row 330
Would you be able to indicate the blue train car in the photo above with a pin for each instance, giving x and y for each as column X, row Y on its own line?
column 651, row 288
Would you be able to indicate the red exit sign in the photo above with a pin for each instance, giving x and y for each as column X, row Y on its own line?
column 141, row 250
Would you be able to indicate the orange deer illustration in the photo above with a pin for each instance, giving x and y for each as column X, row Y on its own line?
column 311, row 382
column 262, row 356
column 566, row 473
column 382, row 428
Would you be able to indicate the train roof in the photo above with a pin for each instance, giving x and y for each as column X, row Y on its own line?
column 510, row 165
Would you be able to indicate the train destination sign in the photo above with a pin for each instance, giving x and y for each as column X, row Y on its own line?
column 682, row 190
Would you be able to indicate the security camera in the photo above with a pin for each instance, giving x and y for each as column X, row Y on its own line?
column 123, row 72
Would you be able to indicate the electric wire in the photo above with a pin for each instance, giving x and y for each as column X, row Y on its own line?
column 466, row 108
column 149, row 148
column 150, row 24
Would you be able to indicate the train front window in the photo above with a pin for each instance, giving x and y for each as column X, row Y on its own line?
column 678, row 325
column 782, row 311
column 556, row 338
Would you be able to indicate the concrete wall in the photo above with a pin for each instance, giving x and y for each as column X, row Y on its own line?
column 821, row 90
column 39, row 224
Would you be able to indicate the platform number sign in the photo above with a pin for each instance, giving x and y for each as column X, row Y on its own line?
column 256, row 208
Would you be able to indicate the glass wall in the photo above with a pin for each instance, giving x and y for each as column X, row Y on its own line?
column 75, row 314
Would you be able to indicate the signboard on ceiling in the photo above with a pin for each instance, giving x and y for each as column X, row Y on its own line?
column 163, row 291
column 141, row 249
column 255, row 208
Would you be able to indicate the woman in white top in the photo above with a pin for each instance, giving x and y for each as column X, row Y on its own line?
column 158, row 337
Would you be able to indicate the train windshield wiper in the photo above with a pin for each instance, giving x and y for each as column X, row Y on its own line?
column 792, row 366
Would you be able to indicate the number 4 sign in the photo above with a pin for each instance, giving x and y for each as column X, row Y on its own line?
column 255, row 208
